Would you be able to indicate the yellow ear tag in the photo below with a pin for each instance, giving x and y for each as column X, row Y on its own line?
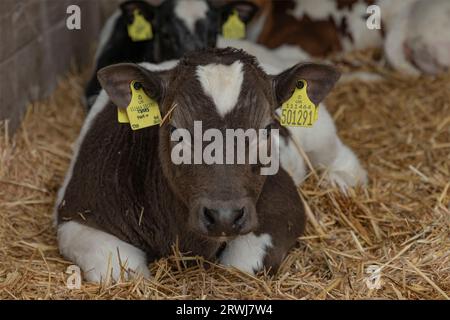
column 234, row 27
column 142, row 111
column 140, row 29
column 122, row 116
column 298, row 110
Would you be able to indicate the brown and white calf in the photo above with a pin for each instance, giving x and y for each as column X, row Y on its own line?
column 414, row 34
column 124, row 203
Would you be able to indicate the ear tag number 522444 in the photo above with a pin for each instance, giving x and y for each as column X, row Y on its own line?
column 142, row 112
column 298, row 110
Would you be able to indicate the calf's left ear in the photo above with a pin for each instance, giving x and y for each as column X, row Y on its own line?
column 116, row 80
column 320, row 79
column 129, row 7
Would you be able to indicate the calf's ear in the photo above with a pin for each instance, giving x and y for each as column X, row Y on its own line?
column 320, row 79
column 116, row 80
column 128, row 8
column 245, row 9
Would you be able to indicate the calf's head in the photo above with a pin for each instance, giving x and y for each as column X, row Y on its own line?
column 180, row 26
column 224, row 89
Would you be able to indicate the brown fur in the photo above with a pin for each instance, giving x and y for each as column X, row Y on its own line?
column 316, row 37
column 124, row 182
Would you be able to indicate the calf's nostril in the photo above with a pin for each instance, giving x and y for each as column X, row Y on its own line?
column 209, row 216
column 239, row 218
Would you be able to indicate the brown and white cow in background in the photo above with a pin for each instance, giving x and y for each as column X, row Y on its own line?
column 124, row 203
column 414, row 34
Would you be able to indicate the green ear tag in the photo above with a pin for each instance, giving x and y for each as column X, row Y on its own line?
column 142, row 111
column 140, row 29
column 234, row 27
column 298, row 110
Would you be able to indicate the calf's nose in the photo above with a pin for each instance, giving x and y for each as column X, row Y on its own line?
column 226, row 221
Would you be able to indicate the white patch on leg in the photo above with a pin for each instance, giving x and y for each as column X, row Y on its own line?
column 247, row 252
column 190, row 12
column 292, row 161
column 346, row 171
column 222, row 83
column 97, row 253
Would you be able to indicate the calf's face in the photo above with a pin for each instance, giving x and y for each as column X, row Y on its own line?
column 222, row 90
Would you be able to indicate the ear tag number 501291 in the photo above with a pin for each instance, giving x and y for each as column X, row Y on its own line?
column 142, row 112
column 140, row 29
column 298, row 110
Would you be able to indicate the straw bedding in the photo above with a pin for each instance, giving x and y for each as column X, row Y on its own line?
column 400, row 129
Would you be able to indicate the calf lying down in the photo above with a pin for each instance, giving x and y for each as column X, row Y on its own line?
column 124, row 203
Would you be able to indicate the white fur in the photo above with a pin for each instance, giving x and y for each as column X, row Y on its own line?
column 345, row 170
column 394, row 44
column 361, row 76
column 316, row 10
column 106, row 32
column 429, row 35
column 247, row 252
column 363, row 37
column 97, row 253
column 391, row 8
column 190, row 12
column 325, row 151
column 256, row 27
column 222, row 83
column 292, row 161
column 421, row 26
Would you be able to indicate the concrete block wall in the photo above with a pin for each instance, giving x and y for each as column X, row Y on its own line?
column 36, row 48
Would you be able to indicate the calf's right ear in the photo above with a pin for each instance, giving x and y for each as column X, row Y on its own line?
column 116, row 80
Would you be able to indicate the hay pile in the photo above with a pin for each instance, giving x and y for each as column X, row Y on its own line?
column 400, row 128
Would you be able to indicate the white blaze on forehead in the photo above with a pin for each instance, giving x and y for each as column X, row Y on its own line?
column 222, row 83
column 190, row 12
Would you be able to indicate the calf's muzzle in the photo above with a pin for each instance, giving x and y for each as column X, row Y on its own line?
column 230, row 218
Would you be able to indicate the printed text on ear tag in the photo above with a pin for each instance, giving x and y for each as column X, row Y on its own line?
column 140, row 29
column 234, row 27
column 298, row 110
column 142, row 111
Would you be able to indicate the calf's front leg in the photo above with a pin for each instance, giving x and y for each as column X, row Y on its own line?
column 281, row 222
column 99, row 254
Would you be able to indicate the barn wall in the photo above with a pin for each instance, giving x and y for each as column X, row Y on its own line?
column 36, row 48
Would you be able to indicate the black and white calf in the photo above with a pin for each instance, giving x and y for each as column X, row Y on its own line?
column 124, row 202
column 178, row 26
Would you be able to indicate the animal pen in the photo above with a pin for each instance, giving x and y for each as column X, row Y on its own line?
column 387, row 240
